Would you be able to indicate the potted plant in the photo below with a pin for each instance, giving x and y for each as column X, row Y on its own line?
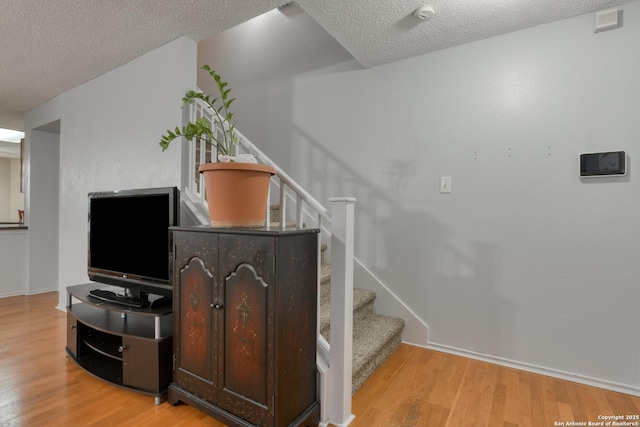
column 236, row 187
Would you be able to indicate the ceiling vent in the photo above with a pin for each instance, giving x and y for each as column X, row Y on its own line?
column 606, row 20
column 284, row 6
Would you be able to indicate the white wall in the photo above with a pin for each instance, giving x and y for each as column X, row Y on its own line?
column 14, row 248
column 523, row 262
column 109, row 133
column 43, row 214
column 10, row 119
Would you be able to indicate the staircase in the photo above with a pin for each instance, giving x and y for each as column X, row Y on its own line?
column 375, row 336
column 362, row 338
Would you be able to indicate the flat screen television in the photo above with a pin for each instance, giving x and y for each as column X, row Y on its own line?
column 129, row 241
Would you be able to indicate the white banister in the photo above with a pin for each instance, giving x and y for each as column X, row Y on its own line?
column 341, row 357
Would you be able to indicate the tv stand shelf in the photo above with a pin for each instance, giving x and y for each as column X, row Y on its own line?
column 106, row 345
column 127, row 346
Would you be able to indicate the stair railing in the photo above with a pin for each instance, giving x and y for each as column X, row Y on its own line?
column 336, row 228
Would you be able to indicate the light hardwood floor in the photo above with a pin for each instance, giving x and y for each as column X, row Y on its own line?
column 41, row 386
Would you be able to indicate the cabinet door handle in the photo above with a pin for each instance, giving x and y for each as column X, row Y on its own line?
column 122, row 348
column 72, row 327
column 217, row 306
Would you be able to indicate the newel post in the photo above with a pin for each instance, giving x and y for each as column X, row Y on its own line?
column 341, row 358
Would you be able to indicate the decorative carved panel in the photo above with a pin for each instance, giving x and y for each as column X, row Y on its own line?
column 195, row 333
column 245, row 334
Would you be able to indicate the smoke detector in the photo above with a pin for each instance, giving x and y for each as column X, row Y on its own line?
column 424, row 13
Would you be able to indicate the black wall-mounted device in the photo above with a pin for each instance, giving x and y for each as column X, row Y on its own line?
column 610, row 163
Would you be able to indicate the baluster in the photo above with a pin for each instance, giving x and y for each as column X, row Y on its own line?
column 283, row 206
column 299, row 211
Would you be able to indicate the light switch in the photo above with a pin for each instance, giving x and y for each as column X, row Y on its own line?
column 445, row 184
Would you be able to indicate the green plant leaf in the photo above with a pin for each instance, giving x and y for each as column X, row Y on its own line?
column 202, row 127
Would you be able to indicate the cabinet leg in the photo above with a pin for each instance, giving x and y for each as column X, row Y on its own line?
column 157, row 400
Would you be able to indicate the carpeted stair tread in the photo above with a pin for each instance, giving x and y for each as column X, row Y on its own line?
column 375, row 337
column 325, row 274
column 363, row 300
column 290, row 225
column 275, row 219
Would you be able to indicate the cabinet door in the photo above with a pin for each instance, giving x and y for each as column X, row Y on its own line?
column 194, row 302
column 72, row 333
column 245, row 365
column 296, row 323
column 140, row 364
column 146, row 364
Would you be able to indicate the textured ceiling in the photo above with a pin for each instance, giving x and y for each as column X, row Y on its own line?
column 383, row 31
column 48, row 47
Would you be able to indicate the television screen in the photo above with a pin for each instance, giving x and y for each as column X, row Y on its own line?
column 129, row 240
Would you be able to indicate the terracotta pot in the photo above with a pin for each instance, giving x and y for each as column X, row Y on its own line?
column 236, row 193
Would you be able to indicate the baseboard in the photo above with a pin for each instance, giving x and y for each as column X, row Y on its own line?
column 27, row 293
column 42, row 291
column 341, row 424
column 556, row 373
column 11, row 294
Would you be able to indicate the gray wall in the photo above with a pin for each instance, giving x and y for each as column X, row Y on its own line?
column 109, row 133
column 43, row 214
column 523, row 262
column 14, row 262
column 10, row 119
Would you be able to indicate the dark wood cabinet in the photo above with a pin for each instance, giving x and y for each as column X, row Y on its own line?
column 245, row 305
column 128, row 347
